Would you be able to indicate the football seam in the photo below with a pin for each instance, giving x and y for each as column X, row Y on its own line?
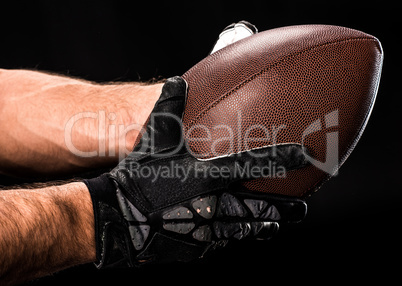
column 280, row 61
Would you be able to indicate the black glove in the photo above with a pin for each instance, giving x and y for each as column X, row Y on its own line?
column 161, row 204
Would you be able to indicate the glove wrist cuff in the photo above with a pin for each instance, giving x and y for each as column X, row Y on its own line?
column 107, row 216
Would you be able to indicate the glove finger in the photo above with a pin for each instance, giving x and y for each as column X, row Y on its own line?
column 271, row 207
column 183, row 176
column 258, row 163
column 174, row 90
column 263, row 230
column 164, row 129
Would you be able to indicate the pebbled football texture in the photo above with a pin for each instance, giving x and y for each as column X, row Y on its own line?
column 310, row 84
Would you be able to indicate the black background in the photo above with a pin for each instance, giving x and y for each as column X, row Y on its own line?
column 352, row 231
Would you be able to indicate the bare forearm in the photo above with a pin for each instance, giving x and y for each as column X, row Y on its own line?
column 44, row 230
column 53, row 124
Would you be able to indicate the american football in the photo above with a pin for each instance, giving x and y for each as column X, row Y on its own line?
column 311, row 84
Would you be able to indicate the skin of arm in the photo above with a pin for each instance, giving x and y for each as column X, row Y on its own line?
column 52, row 124
column 55, row 125
column 44, row 230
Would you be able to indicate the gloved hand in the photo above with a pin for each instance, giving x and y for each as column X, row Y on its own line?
column 161, row 204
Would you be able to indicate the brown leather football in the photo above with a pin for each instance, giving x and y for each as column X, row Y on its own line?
column 312, row 84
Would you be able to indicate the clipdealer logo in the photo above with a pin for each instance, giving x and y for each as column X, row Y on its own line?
column 199, row 170
column 331, row 163
column 106, row 126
